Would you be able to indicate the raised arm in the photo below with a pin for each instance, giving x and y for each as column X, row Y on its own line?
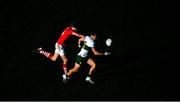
column 77, row 34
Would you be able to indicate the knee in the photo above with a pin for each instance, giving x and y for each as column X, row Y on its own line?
column 94, row 66
column 75, row 70
column 53, row 59
column 65, row 60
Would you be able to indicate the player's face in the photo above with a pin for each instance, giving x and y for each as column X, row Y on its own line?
column 93, row 37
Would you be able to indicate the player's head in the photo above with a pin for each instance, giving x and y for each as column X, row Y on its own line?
column 93, row 36
column 72, row 25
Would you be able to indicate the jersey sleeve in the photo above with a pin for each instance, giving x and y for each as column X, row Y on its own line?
column 92, row 44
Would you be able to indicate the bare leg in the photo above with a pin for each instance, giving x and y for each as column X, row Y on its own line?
column 92, row 64
column 64, row 58
column 73, row 70
column 54, row 57
column 48, row 54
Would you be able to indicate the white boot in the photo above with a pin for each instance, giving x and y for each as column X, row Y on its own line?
column 37, row 50
column 65, row 78
column 88, row 79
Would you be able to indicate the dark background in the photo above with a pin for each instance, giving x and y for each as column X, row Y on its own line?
column 144, row 64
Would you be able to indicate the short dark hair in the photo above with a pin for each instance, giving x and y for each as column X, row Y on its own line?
column 92, row 34
column 73, row 24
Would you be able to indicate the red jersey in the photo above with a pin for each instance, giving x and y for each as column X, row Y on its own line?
column 65, row 35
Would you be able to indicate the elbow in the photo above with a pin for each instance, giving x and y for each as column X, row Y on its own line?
column 96, row 53
column 82, row 36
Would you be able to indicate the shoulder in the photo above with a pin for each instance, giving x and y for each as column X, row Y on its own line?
column 87, row 37
column 68, row 28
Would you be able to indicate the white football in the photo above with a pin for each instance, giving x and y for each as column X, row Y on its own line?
column 108, row 42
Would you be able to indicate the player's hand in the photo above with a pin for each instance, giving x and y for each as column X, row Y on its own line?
column 79, row 46
column 107, row 53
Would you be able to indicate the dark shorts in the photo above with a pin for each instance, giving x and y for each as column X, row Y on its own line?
column 81, row 60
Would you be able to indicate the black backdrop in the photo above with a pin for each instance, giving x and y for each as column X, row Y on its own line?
column 145, row 52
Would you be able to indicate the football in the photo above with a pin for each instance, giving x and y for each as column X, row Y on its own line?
column 109, row 42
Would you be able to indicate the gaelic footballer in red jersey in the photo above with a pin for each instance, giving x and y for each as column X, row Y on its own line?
column 59, row 46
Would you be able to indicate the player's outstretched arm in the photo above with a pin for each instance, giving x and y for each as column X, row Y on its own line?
column 96, row 52
column 99, row 53
column 77, row 34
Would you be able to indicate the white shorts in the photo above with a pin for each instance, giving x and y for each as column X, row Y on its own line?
column 59, row 49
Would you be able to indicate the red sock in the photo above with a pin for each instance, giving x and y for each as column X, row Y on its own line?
column 45, row 53
column 65, row 68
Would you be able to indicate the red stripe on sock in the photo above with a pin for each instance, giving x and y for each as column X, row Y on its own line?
column 65, row 68
column 47, row 54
